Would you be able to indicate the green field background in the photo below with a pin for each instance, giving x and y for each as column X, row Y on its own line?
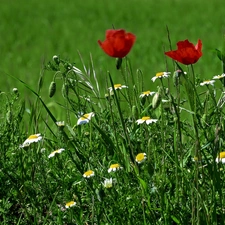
column 33, row 31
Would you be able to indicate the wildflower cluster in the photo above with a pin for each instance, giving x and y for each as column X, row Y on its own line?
column 159, row 130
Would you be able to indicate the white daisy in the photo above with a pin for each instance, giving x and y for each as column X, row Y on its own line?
column 146, row 119
column 207, row 82
column 60, row 123
column 221, row 157
column 114, row 167
column 70, row 204
column 161, row 75
column 89, row 173
column 108, row 183
column 146, row 93
column 56, row 152
column 140, row 158
column 32, row 138
column 217, row 77
column 85, row 118
column 117, row 87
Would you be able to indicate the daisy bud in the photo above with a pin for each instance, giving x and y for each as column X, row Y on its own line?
column 56, row 59
column 52, row 89
column 176, row 77
column 16, row 92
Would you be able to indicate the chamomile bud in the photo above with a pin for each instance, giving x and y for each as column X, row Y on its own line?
column 56, row 59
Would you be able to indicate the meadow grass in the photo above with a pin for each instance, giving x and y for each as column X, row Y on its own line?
column 177, row 182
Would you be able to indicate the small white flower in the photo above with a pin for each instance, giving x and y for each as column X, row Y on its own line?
column 146, row 119
column 114, row 167
column 60, row 123
column 31, row 139
column 85, row 118
column 43, row 150
column 56, row 152
column 89, row 173
column 70, row 204
column 140, row 158
column 108, row 183
column 217, row 77
column 147, row 93
column 221, row 157
column 207, row 82
column 161, row 75
column 117, row 87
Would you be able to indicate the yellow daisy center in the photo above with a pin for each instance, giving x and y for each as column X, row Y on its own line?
column 89, row 173
column 140, row 157
column 146, row 92
column 117, row 86
column 222, row 155
column 84, row 117
column 159, row 74
column 195, row 158
column 34, row 136
column 115, row 166
column 145, row 118
column 68, row 204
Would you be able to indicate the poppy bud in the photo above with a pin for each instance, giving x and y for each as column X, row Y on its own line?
column 52, row 89
column 156, row 99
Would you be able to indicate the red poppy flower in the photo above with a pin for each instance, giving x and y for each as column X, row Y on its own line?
column 118, row 43
column 186, row 53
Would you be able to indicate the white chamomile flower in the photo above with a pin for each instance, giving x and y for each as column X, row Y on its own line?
column 117, row 87
column 114, row 167
column 218, row 77
column 31, row 139
column 58, row 151
column 207, row 82
column 161, row 75
column 85, row 118
column 89, row 173
column 221, row 157
column 146, row 119
column 146, row 94
column 70, row 204
column 140, row 158
column 108, row 183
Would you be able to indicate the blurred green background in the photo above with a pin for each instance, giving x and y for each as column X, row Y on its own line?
column 33, row 31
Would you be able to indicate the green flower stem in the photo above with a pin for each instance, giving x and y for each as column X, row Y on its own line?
column 121, row 118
